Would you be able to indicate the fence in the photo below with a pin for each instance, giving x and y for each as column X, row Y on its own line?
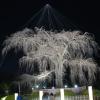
column 79, row 97
column 96, row 98
column 46, row 95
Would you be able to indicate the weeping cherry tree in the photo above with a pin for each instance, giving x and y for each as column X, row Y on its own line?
column 55, row 52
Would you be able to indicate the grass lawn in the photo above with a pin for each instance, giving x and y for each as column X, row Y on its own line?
column 10, row 97
column 95, row 92
column 33, row 95
column 69, row 93
column 84, row 92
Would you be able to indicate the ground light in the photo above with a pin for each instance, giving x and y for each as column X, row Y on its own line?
column 53, row 87
column 65, row 86
column 44, row 87
column 37, row 86
column 75, row 86
column 32, row 88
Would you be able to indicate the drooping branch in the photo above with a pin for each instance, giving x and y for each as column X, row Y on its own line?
column 72, row 49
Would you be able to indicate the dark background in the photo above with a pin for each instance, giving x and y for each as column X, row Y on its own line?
column 14, row 14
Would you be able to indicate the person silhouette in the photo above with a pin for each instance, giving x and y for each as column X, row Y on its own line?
column 52, row 96
column 19, row 97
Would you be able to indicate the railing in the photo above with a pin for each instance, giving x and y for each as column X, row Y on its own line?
column 96, row 98
column 79, row 97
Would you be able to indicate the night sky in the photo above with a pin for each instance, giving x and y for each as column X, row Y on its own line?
column 14, row 14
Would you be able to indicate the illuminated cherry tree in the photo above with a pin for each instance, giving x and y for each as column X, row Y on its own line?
column 55, row 52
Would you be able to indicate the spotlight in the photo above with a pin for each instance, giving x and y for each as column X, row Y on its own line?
column 53, row 87
column 44, row 87
column 75, row 86
column 65, row 86
column 37, row 86
column 32, row 88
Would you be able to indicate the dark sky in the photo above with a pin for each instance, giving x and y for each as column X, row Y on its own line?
column 15, row 13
